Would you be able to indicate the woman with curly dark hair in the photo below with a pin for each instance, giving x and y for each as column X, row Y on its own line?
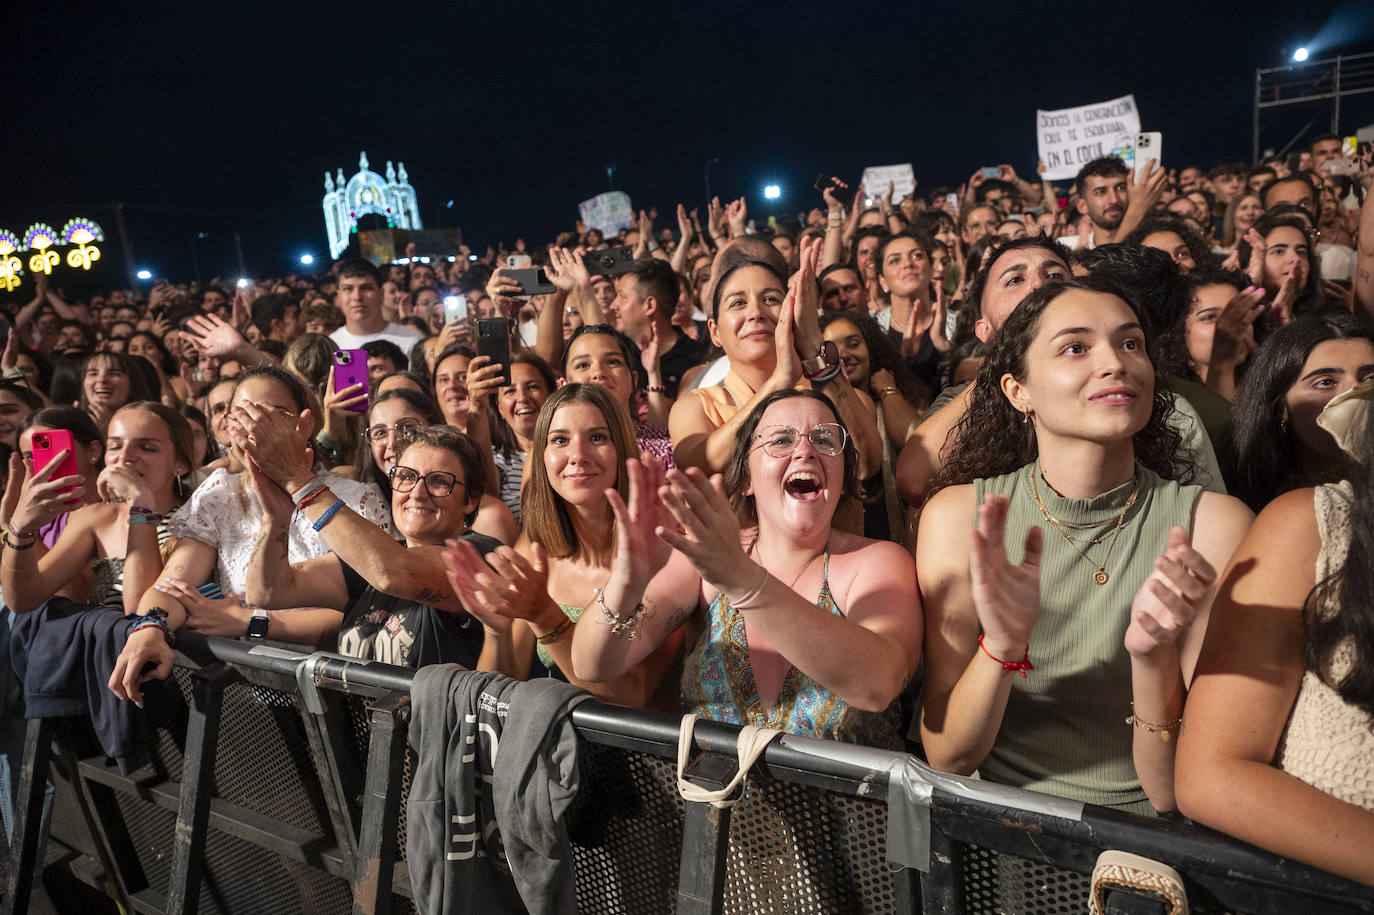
column 1209, row 341
column 1277, row 750
column 1067, row 466
column 1274, row 443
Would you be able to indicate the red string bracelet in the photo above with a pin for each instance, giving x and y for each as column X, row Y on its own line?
column 310, row 498
column 1022, row 665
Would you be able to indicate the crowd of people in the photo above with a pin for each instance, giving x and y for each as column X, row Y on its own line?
column 1065, row 486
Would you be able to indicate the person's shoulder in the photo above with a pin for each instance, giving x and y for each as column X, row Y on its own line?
column 948, row 504
column 483, row 543
column 401, row 330
column 875, row 555
column 1292, row 513
column 342, row 337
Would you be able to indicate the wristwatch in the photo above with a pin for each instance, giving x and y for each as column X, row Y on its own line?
column 828, row 355
column 257, row 626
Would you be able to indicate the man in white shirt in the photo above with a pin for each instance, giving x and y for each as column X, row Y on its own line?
column 360, row 300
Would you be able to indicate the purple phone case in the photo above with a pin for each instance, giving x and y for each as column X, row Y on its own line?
column 353, row 373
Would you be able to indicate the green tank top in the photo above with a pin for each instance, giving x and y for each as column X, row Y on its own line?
column 1064, row 731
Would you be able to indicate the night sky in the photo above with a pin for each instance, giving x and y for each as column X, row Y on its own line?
column 223, row 118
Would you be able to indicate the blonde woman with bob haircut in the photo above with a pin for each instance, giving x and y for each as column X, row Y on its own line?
column 567, row 551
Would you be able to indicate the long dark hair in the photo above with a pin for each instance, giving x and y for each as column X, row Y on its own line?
column 1257, row 456
column 1349, row 592
column 993, row 439
column 1171, row 355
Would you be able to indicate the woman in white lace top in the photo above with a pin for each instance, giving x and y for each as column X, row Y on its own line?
column 1277, row 745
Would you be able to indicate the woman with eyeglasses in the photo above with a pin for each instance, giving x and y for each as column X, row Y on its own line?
column 436, row 484
column 797, row 625
column 391, row 418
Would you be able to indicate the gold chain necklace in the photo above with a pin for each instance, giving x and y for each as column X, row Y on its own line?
column 755, row 542
column 1100, row 576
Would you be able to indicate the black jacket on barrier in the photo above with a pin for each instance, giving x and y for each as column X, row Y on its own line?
column 482, row 837
column 63, row 653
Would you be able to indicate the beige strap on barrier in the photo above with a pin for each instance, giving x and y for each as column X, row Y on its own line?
column 748, row 748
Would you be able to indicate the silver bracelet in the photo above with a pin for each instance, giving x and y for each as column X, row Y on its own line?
column 626, row 625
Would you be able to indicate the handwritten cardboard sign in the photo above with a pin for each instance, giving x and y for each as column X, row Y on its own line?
column 1070, row 138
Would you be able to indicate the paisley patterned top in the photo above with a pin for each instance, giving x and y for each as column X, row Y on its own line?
column 718, row 683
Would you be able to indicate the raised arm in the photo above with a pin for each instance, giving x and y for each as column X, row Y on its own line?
column 1168, row 623
column 854, row 407
column 278, row 448
column 979, row 612
column 685, row 233
column 273, row 581
column 30, row 574
column 651, row 590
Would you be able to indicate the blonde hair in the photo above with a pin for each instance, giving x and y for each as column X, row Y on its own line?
column 542, row 511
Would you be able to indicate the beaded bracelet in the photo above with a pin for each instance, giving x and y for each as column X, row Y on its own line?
column 556, row 633
column 328, row 515
column 1022, row 665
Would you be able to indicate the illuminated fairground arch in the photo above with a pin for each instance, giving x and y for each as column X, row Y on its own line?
column 347, row 201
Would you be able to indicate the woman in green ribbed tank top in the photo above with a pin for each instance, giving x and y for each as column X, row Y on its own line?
column 1066, row 567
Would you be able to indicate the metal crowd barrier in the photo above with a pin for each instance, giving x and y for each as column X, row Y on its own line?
column 279, row 779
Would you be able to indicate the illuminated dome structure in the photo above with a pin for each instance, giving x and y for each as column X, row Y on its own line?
column 345, row 202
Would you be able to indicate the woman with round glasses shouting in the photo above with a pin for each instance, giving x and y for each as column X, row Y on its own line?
column 436, row 484
column 797, row 625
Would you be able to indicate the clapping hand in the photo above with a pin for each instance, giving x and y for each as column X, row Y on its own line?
column 1005, row 597
column 639, row 552
column 274, row 440
column 1166, row 605
column 503, row 588
column 707, row 531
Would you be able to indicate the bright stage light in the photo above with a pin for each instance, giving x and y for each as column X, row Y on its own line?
column 1300, row 55
column 307, row 259
column 144, row 274
column 772, row 192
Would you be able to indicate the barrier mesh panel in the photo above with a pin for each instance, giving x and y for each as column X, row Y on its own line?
column 626, row 832
column 245, row 754
column 994, row 882
column 799, row 850
column 272, row 775
column 239, row 878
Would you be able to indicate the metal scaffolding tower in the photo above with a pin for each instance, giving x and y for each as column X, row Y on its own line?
column 1333, row 78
